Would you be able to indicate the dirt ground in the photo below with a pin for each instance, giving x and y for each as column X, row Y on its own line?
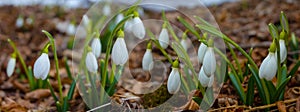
column 245, row 22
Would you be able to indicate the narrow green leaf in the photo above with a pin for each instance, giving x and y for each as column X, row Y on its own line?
column 261, row 90
column 284, row 22
column 52, row 91
column 294, row 69
column 280, row 89
column 270, row 87
column 65, row 104
column 238, row 86
column 204, row 22
column 189, row 27
column 198, row 100
column 274, row 31
column 71, row 90
column 250, row 91
column 68, row 69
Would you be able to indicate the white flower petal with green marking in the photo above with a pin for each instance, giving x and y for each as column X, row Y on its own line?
column 209, row 62
column 147, row 62
column 11, row 66
column 106, row 10
column 283, row 52
column 184, row 44
column 268, row 67
column 91, row 62
column 138, row 28
column 201, row 52
column 164, row 38
column 119, row 53
column 174, row 81
column 41, row 67
column 96, row 47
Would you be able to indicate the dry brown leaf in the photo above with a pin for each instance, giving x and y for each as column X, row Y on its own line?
column 38, row 94
column 281, row 106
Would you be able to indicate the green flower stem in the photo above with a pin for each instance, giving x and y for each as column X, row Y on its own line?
column 52, row 42
column 240, row 73
column 279, row 71
column 30, row 78
column 169, row 27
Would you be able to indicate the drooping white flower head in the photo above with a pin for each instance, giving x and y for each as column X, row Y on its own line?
column 119, row 18
column 71, row 29
column 268, row 67
column 106, row 10
column 86, row 20
column 164, row 38
column 184, row 44
column 96, row 47
column 204, row 79
column 119, row 53
column 209, row 62
column 128, row 26
column 19, row 22
column 138, row 28
column 29, row 21
column 174, row 81
column 201, row 52
column 147, row 62
column 41, row 67
column 91, row 62
column 11, row 66
column 283, row 51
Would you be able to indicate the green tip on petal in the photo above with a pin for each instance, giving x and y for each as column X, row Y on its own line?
column 136, row 14
column 121, row 33
column 164, row 25
column 14, row 55
column 205, row 36
column 175, row 64
column 149, row 45
column 272, row 47
column 210, row 43
column 45, row 50
column 283, row 35
column 184, row 35
column 89, row 49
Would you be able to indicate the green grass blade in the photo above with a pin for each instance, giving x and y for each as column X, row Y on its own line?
column 238, row 86
column 294, row 69
column 250, row 91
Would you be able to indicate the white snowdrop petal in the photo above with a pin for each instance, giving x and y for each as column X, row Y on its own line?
column 211, row 81
column 201, row 52
column 91, row 62
column 209, row 62
column 71, row 29
column 174, row 81
column 268, row 67
column 119, row 53
column 164, row 38
column 85, row 20
column 41, row 67
column 119, row 18
column 184, row 44
column 96, row 47
column 128, row 26
column 202, row 77
column 19, row 22
column 147, row 62
column 106, row 10
column 283, row 52
column 138, row 28
column 11, row 66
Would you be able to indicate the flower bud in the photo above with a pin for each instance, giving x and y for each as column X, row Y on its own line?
column 96, row 47
column 119, row 53
column 86, row 21
column 11, row 66
column 164, row 38
column 41, row 67
column 209, row 62
column 91, row 62
column 268, row 67
column 283, row 52
column 174, row 81
column 71, row 29
column 138, row 28
column 201, row 52
column 147, row 62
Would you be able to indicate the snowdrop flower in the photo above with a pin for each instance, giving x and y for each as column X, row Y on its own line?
column 41, row 67
column 174, row 81
column 204, row 79
column 96, row 47
column 71, row 29
column 119, row 18
column 106, row 10
column 138, row 28
column 11, row 65
column 91, row 62
column 209, row 60
column 128, row 26
column 19, row 22
column 119, row 53
column 29, row 20
column 184, row 44
column 283, row 49
column 164, row 37
column 147, row 62
column 268, row 67
column 201, row 52
column 86, row 20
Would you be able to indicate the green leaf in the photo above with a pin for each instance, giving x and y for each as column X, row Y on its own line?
column 204, row 22
column 284, row 22
column 294, row 69
column 71, row 90
column 65, row 104
column 68, row 68
column 280, row 89
column 198, row 100
column 261, row 90
column 250, row 91
column 189, row 27
column 238, row 86
column 274, row 31
column 271, row 87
